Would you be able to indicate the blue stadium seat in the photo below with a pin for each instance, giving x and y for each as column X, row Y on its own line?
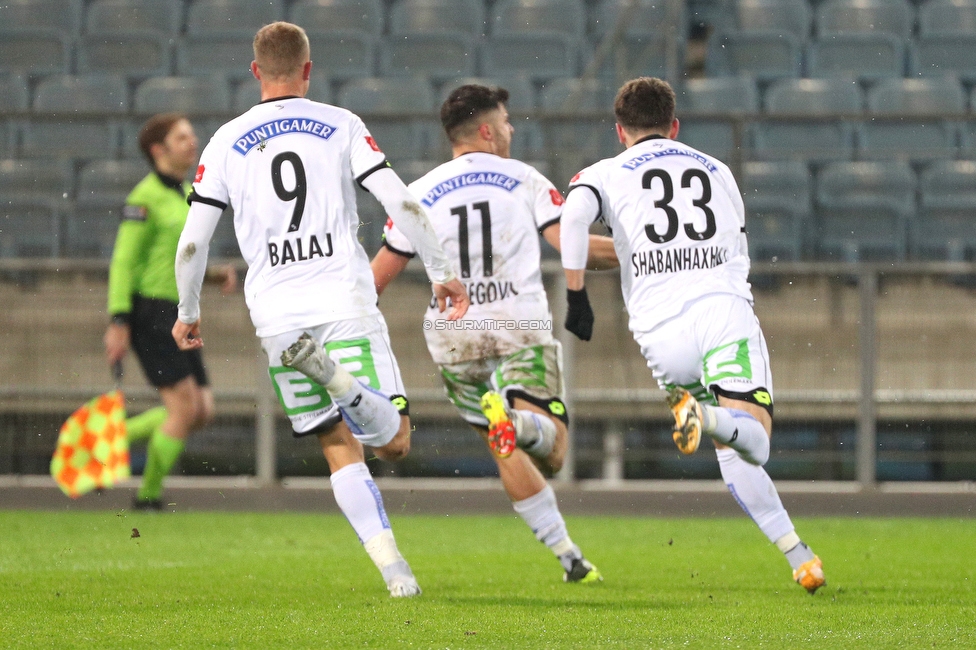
column 136, row 55
column 190, row 95
column 323, row 16
column 211, row 55
column 540, row 38
column 521, row 94
column 86, row 94
column 110, row 179
column 947, row 17
column 863, row 210
column 938, row 55
column 718, row 95
column 585, row 133
column 343, row 35
column 62, row 16
column 231, row 17
column 436, row 56
column 792, row 17
column 715, row 137
column 541, row 56
column 792, row 138
column 946, row 43
column 895, row 17
column 926, row 137
column 29, row 227
column 643, row 48
column 778, row 202
column 767, row 56
column 538, row 17
column 867, row 57
column 40, row 178
column 438, row 16
column 946, row 225
column 69, row 118
column 13, row 93
column 385, row 104
column 91, row 226
column 34, row 51
column 159, row 17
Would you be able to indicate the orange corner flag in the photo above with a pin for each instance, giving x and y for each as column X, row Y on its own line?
column 92, row 451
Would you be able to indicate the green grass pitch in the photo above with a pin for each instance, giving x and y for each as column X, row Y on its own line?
column 83, row 580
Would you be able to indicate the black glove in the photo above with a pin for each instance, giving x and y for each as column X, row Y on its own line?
column 579, row 314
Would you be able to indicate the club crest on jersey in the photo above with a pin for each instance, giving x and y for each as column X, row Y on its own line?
column 298, row 249
column 494, row 179
column 637, row 161
column 260, row 135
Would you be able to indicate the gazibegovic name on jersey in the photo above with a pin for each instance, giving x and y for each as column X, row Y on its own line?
column 274, row 128
column 637, row 161
column 507, row 183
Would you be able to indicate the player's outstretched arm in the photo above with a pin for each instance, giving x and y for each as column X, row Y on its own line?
column 386, row 265
column 191, row 268
column 600, row 256
column 409, row 216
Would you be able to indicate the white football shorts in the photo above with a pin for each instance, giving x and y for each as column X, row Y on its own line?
column 360, row 345
column 715, row 345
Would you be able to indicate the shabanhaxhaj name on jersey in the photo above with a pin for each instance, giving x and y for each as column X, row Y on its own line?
column 487, row 212
column 677, row 223
column 287, row 168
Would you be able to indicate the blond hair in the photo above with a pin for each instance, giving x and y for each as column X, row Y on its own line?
column 280, row 50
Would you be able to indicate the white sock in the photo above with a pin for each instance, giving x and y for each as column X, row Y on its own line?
column 541, row 513
column 360, row 501
column 738, row 430
column 371, row 416
column 752, row 488
column 534, row 432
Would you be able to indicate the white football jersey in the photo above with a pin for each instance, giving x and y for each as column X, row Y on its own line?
column 678, row 226
column 287, row 168
column 488, row 212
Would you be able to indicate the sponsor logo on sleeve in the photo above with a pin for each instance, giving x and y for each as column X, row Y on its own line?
column 557, row 198
column 575, row 178
column 389, row 222
column 372, row 143
column 134, row 213
column 199, row 176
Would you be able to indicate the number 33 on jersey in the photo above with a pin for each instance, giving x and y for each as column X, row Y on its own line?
column 678, row 226
column 287, row 169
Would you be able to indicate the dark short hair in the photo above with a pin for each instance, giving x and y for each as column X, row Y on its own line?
column 155, row 130
column 466, row 104
column 644, row 104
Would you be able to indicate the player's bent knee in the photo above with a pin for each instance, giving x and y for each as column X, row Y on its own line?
column 399, row 447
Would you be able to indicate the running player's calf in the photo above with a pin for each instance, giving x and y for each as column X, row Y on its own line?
column 727, row 426
column 373, row 419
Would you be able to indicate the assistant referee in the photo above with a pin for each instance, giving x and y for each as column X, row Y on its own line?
column 142, row 301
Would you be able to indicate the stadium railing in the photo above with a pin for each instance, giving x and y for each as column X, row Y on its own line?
column 828, row 431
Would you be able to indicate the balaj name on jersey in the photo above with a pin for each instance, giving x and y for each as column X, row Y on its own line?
column 296, row 250
column 636, row 162
column 274, row 128
column 464, row 180
column 678, row 259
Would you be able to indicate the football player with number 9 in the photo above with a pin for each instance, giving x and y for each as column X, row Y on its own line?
column 287, row 166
